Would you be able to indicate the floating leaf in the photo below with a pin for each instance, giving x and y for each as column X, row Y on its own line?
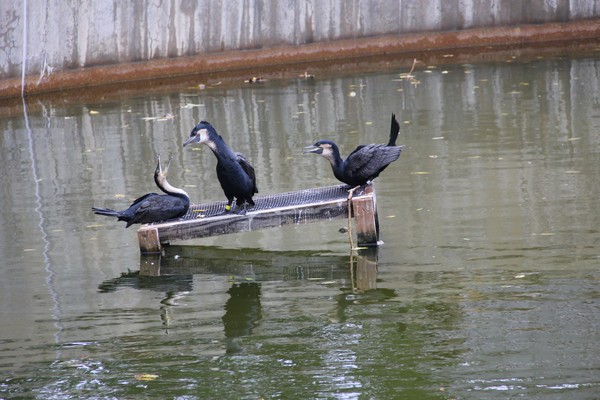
column 145, row 377
column 191, row 105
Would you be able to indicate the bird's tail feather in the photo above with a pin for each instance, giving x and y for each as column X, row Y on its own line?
column 394, row 130
column 105, row 211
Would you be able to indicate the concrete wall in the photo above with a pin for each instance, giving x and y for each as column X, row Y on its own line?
column 63, row 34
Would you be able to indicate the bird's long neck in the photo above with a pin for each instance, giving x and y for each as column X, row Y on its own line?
column 219, row 147
column 169, row 189
column 336, row 161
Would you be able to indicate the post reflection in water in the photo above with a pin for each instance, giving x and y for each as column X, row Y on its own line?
column 173, row 273
column 242, row 313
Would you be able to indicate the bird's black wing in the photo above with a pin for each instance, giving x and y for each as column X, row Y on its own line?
column 367, row 161
column 394, row 130
column 140, row 199
column 248, row 168
column 146, row 209
column 160, row 208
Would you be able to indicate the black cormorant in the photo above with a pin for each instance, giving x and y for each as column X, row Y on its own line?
column 365, row 163
column 153, row 207
column 234, row 172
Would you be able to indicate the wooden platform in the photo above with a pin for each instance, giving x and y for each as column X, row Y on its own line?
column 301, row 207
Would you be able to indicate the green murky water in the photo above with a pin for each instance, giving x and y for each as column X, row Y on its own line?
column 488, row 285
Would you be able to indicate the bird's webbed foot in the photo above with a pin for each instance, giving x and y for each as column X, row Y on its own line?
column 241, row 208
column 241, row 211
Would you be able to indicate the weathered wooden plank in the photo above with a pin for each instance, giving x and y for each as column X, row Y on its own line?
column 149, row 240
column 253, row 220
column 273, row 211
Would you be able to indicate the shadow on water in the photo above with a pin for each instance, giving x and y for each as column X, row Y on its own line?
column 173, row 273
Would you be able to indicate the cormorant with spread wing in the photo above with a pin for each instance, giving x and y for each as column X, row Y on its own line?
column 365, row 163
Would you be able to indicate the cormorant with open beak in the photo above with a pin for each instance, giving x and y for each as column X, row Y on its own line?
column 153, row 207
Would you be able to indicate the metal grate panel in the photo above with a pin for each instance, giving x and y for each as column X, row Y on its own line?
column 288, row 199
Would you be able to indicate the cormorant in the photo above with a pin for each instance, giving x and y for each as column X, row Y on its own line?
column 365, row 163
column 153, row 207
column 234, row 172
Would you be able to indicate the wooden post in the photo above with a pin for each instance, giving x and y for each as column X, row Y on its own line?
column 365, row 216
column 149, row 240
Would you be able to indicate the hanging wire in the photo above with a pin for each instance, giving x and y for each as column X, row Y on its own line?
column 50, row 274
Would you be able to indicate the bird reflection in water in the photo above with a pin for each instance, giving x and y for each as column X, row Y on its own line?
column 243, row 312
column 173, row 275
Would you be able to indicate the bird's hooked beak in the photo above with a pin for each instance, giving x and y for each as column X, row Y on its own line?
column 197, row 136
column 159, row 168
column 193, row 138
column 312, row 149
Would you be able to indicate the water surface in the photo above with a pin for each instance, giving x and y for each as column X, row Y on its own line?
column 487, row 286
